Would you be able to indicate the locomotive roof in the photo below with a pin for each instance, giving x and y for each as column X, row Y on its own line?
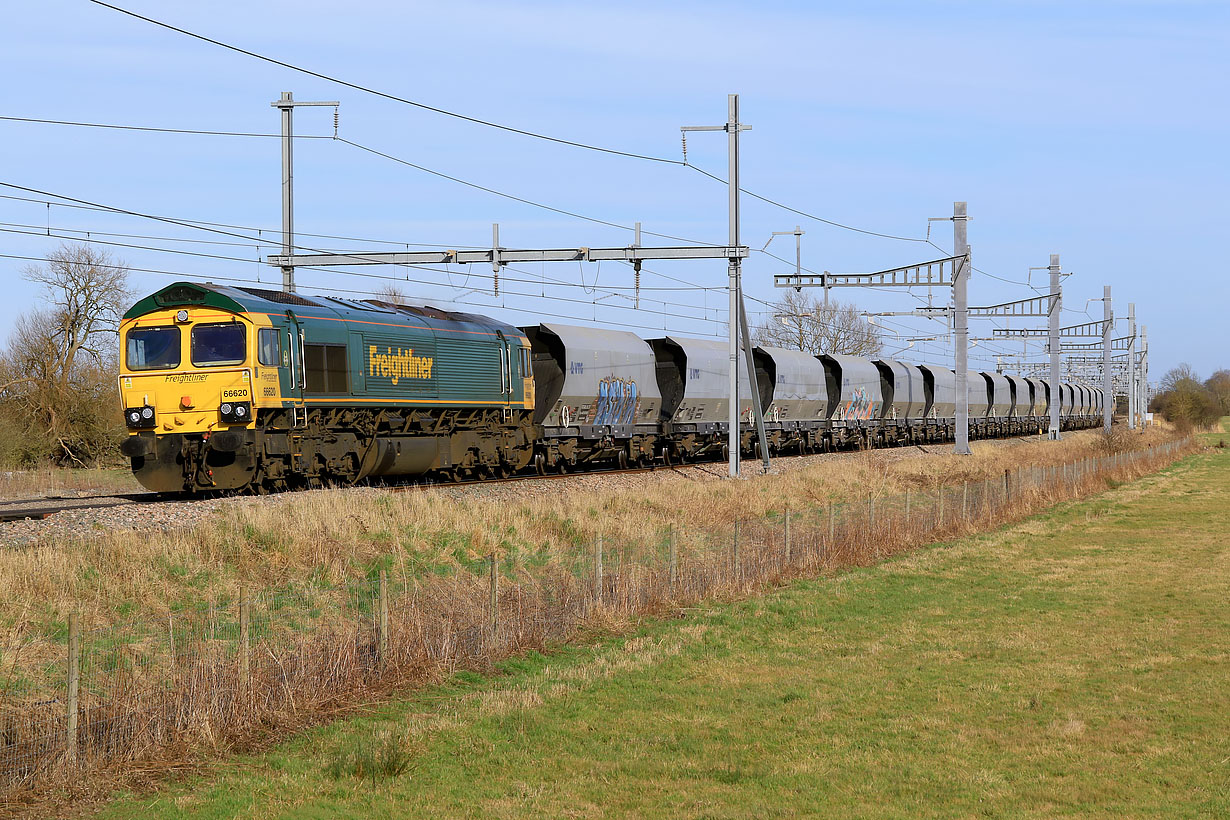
column 261, row 300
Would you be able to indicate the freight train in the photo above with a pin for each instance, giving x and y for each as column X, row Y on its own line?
column 229, row 389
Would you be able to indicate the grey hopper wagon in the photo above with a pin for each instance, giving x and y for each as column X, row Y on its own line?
column 798, row 393
column 856, row 394
column 1065, row 400
column 941, row 386
column 1042, row 393
column 906, row 396
column 1000, row 393
column 979, row 395
column 1022, row 397
column 593, row 383
column 693, row 379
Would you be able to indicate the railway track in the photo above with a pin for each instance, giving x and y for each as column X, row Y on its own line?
column 41, row 508
column 37, row 508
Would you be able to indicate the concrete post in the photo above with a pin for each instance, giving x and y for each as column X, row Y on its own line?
column 1144, row 373
column 732, row 128
column 1131, row 361
column 960, row 324
column 1108, row 316
column 1053, row 326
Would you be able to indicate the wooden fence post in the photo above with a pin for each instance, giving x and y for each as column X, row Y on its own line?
column 786, row 533
column 494, row 604
column 382, row 616
column 245, row 647
column 1007, row 486
column 674, row 559
column 171, row 639
column 598, row 567
column 907, row 507
column 832, row 525
column 965, row 501
column 736, row 549
column 74, row 679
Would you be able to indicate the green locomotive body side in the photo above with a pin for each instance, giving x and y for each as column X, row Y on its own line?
column 368, row 353
column 266, row 389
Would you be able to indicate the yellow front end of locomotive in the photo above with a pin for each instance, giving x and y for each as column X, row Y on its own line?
column 194, row 371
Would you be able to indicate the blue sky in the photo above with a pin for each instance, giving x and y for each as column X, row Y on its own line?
column 1095, row 130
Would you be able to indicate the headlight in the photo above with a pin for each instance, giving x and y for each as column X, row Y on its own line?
column 138, row 417
column 235, row 412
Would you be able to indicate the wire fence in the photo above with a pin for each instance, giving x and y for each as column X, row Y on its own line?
column 90, row 699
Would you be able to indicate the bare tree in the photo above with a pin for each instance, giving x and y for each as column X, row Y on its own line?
column 1187, row 402
column 801, row 322
column 1178, row 376
column 57, row 376
column 392, row 293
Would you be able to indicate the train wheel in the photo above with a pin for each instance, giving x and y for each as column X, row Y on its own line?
column 621, row 460
column 540, row 464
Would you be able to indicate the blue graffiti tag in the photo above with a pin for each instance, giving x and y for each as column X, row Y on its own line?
column 616, row 402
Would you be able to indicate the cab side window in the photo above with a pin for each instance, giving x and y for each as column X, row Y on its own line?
column 326, row 368
column 268, row 347
column 525, row 362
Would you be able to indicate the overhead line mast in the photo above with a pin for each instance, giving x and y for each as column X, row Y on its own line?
column 498, row 256
column 287, row 105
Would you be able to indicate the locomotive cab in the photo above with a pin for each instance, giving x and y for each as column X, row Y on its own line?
column 194, row 372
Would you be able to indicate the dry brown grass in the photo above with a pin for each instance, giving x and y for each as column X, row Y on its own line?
column 327, row 538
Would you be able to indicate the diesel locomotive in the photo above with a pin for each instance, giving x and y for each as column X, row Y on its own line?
column 247, row 389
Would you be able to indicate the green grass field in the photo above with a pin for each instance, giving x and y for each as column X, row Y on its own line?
column 1076, row 664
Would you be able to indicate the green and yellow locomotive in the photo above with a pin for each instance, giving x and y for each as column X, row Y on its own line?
column 248, row 389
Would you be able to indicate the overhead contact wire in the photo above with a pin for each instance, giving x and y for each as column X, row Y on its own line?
column 395, row 98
